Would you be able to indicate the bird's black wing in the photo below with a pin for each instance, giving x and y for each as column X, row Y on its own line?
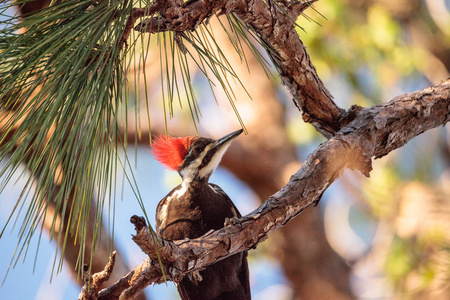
column 211, row 282
column 244, row 276
column 219, row 190
column 244, row 272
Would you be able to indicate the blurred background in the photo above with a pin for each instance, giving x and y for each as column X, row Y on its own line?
column 386, row 237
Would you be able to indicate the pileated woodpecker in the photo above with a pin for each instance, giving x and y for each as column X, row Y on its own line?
column 194, row 207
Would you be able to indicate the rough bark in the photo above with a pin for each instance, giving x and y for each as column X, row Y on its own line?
column 274, row 24
column 372, row 133
column 355, row 136
column 281, row 39
column 264, row 159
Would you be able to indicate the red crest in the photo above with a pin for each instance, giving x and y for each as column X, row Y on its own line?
column 171, row 151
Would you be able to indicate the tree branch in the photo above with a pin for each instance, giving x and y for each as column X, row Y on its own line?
column 373, row 132
column 274, row 23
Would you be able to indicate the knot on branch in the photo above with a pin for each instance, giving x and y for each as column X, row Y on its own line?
column 155, row 247
column 138, row 222
column 349, row 115
column 165, row 255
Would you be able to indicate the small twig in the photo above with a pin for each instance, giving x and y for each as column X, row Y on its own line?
column 296, row 7
column 114, row 291
column 179, row 42
column 134, row 282
column 136, row 14
column 92, row 284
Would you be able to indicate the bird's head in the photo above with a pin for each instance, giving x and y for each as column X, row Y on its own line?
column 195, row 158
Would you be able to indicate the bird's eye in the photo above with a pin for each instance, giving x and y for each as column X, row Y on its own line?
column 197, row 149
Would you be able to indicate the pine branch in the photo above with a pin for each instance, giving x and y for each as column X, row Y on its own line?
column 275, row 25
column 370, row 133
column 355, row 136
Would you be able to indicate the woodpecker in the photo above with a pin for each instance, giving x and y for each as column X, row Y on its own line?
column 196, row 206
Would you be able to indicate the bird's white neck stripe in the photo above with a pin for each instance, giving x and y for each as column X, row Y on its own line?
column 190, row 172
column 215, row 161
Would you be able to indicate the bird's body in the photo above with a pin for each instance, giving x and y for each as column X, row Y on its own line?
column 185, row 218
column 195, row 207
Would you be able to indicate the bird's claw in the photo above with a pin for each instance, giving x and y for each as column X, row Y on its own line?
column 195, row 277
column 232, row 221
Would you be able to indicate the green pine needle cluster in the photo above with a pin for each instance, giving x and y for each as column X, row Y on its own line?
column 64, row 96
column 62, row 79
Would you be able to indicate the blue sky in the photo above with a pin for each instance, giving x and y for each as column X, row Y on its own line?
column 154, row 183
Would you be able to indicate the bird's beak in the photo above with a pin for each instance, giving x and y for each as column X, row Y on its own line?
column 226, row 139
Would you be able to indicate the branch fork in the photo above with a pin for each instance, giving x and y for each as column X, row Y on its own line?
column 372, row 132
column 354, row 138
column 92, row 284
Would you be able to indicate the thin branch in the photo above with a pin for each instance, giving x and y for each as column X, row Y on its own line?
column 114, row 291
column 372, row 132
column 136, row 14
column 93, row 283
